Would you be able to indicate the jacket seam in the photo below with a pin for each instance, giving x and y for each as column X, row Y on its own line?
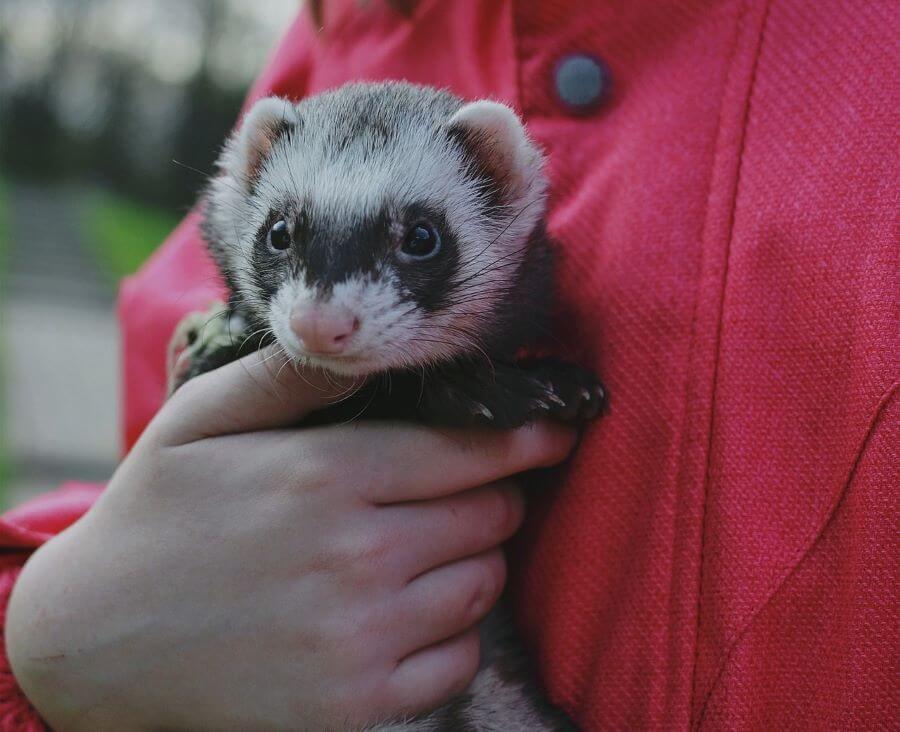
column 721, row 311
column 809, row 544
column 517, row 49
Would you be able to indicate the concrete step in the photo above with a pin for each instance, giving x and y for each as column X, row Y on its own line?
column 62, row 384
column 76, row 291
column 60, row 346
column 47, row 258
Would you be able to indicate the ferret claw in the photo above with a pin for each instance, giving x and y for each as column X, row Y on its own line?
column 483, row 410
column 556, row 399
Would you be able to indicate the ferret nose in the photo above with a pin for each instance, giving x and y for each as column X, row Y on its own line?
column 323, row 328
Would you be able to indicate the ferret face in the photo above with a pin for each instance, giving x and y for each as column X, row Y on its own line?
column 377, row 226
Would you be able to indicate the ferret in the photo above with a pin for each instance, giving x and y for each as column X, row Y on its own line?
column 394, row 233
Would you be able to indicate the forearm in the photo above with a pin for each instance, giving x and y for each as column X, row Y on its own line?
column 16, row 710
column 22, row 531
column 52, row 641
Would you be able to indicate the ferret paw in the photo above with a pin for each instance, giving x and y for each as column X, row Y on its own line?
column 566, row 392
column 516, row 394
column 196, row 341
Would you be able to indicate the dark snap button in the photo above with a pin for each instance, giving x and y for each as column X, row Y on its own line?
column 582, row 81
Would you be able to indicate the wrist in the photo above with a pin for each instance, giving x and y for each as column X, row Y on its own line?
column 50, row 643
column 16, row 710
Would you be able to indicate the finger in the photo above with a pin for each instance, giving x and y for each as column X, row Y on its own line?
column 447, row 529
column 395, row 462
column 429, row 677
column 446, row 601
column 259, row 391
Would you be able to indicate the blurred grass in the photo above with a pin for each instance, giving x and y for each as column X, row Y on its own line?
column 5, row 467
column 122, row 233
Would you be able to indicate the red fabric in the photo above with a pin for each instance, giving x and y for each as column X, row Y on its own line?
column 22, row 530
column 16, row 713
column 720, row 553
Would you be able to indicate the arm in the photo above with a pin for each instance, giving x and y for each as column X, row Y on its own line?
column 239, row 573
column 22, row 530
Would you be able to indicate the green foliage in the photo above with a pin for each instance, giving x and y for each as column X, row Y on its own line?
column 123, row 233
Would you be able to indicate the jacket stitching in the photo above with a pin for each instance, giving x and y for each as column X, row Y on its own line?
column 517, row 46
column 810, row 544
column 721, row 307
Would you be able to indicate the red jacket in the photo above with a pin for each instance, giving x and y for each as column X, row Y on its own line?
column 721, row 552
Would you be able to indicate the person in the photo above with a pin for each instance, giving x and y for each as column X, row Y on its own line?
column 719, row 550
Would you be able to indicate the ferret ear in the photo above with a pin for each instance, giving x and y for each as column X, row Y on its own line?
column 262, row 126
column 496, row 138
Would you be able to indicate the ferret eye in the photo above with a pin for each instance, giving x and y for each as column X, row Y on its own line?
column 279, row 236
column 422, row 242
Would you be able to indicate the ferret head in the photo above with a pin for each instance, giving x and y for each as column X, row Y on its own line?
column 378, row 226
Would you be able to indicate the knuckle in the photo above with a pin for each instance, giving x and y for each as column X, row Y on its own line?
column 312, row 474
column 339, row 631
column 374, row 547
column 324, row 459
column 321, row 466
column 368, row 477
column 484, row 586
column 315, row 453
column 369, row 484
column 359, row 553
column 345, row 551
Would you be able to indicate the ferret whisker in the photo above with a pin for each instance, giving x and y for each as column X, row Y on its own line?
column 298, row 369
column 204, row 173
column 363, row 410
column 421, row 387
column 271, row 356
column 329, row 379
column 505, row 228
column 474, row 342
column 490, row 268
column 350, row 392
column 276, row 352
column 287, row 361
column 263, row 331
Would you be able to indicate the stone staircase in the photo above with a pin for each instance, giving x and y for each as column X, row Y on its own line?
column 60, row 347
column 47, row 257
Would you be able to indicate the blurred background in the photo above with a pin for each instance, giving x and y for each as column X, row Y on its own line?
column 98, row 100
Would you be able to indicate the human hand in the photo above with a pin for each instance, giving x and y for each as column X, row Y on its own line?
column 241, row 573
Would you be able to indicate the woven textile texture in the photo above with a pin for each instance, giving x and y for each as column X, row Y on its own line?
column 721, row 551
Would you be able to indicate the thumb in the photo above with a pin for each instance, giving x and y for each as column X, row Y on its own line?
column 260, row 391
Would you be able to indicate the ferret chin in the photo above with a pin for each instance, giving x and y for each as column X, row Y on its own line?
column 395, row 232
